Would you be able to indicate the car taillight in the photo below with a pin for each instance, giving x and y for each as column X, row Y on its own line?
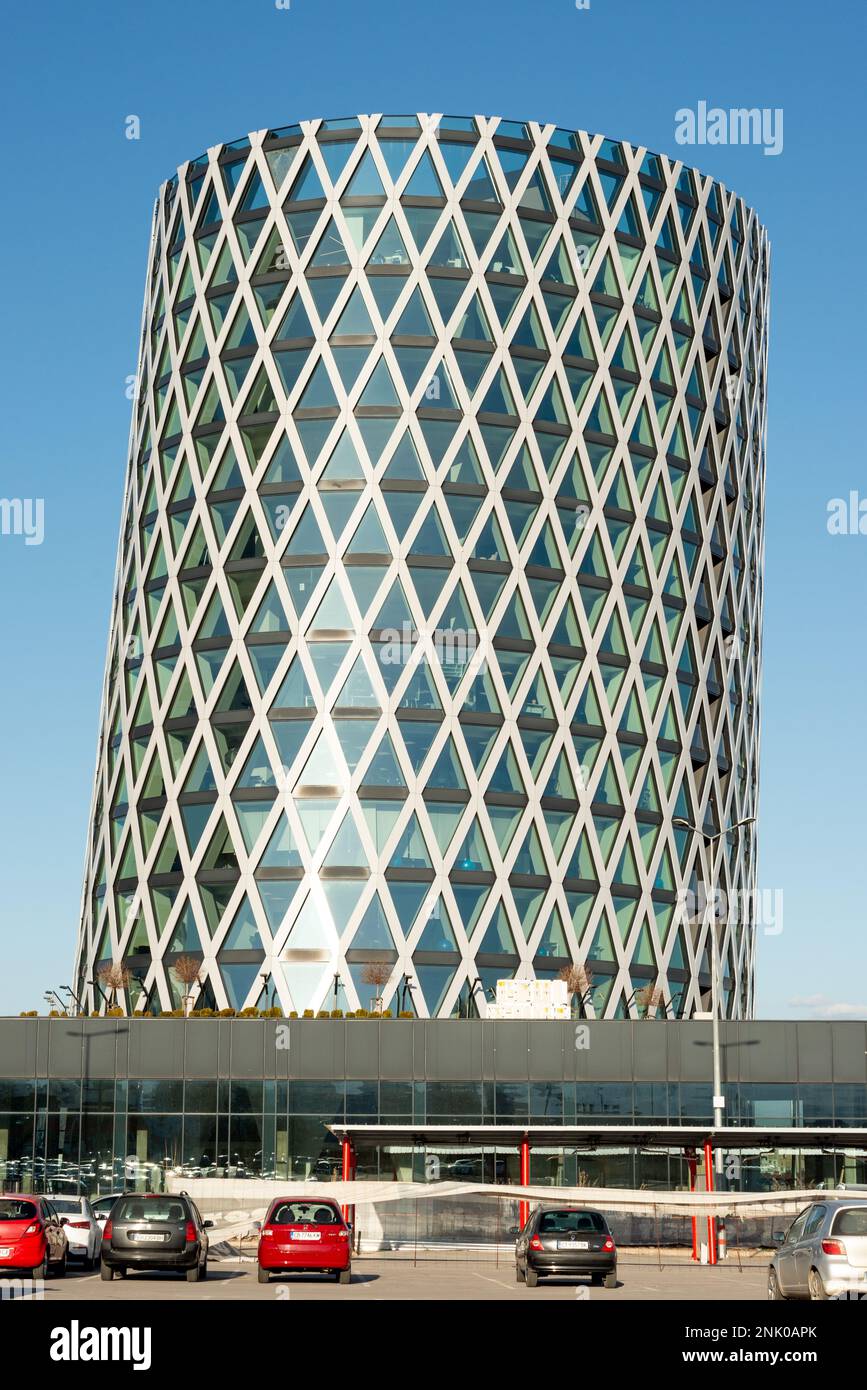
column 343, row 1234
column 833, row 1247
column 79, row 1225
column 191, row 1231
column 536, row 1244
column 267, row 1231
column 609, row 1244
column 106, row 1231
column 34, row 1229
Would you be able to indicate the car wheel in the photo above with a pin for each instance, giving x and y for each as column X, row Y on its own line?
column 61, row 1268
column 194, row 1274
column 40, row 1271
column 532, row 1279
column 264, row 1275
column 344, row 1276
column 818, row 1292
column 611, row 1280
column 204, row 1269
column 105, row 1271
column 775, row 1293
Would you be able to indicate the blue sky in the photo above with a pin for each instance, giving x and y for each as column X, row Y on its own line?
column 75, row 235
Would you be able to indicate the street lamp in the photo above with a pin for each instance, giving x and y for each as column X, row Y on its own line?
column 710, row 843
column 405, row 987
column 78, row 1004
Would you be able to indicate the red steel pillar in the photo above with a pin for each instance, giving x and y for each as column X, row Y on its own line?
column 691, row 1166
column 708, row 1185
column 347, row 1172
column 524, row 1206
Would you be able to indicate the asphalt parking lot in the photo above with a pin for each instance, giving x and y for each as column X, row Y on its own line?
column 429, row 1280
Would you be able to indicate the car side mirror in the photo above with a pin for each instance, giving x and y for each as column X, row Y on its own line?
column 64, row 1220
column 349, row 1226
column 257, row 1225
column 514, row 1230
column 778, row 1237
column 208, row 1225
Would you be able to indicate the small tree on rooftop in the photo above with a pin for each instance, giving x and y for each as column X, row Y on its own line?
column 377, row 973
column 578, row 980
column 648, row 999
column 113, row 976
column 186, row 970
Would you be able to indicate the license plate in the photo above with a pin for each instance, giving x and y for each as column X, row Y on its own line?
column 5, row 1252
column 152, row 1239
column 573, row 1245
column 306, row 1235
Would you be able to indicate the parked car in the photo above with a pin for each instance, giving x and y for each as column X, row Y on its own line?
column 83, row 1231
column 824, row 1252
column 155, row 1231
column 566, row 1240
column 102, row 1206
column 31, row 1235
column 299, row 1235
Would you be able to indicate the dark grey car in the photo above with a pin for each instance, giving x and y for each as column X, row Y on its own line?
column 566, row 1240
column 150, row 1231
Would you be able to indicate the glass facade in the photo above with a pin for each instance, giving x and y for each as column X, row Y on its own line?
column 109, row 1134
column 439, row 590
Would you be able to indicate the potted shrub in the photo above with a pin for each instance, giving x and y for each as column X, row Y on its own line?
column 579, row 984
column 113, row 976
column 648, row 999
column 186, row 971
column 378, row 974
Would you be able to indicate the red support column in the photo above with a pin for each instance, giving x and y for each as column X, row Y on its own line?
column 711, row 1220
column 524, row 1207
column 691, row 1165
column 347, row 1173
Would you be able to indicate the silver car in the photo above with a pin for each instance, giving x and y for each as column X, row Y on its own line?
column 824, row 1252
column 83, row 1231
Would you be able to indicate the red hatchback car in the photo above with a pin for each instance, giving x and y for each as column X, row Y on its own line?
column 31, row 1235
column 300, row 1234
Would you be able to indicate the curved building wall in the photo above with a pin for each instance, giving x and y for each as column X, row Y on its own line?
column 439, row 590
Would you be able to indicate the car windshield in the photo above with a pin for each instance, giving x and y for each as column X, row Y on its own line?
column 851, row 1223
column 148, row 1209
column 10, row 1210
column 66, row 1204
column 571, row 1222
column 305, row 1214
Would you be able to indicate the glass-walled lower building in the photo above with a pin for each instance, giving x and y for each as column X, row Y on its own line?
column 97, row 1105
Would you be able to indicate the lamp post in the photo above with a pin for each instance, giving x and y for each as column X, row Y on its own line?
column 710, row 843
column 78, row 1004
column 405, row 987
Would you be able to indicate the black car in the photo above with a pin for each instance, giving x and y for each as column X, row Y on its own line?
column 566, row 1240
column 152, row 1231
